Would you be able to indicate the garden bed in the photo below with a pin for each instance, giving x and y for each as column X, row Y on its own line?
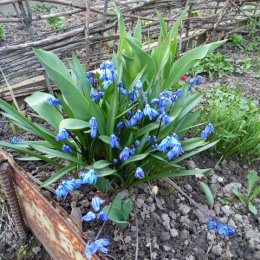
column 169, row 227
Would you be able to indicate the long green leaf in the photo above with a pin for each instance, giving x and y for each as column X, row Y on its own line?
column 56, row 176
column 73, row 124
column 205, row 188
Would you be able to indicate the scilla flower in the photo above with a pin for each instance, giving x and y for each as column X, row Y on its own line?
column 93, row 127
column 212, row 224
column 175, row 151
column 90, row 216
column 139, row 85
column 94, row 95
column 15, row 140
column 114, row 141
column 204, row 134
column 125, row 154
column 95, row 203
column 150, row 112
column 76, row 183
column 101, row 245
column 102, row 216
column 225, row 230
column 61, row 192
column 139, row 173
column 209, row 128
column 53, row 101
column 89, row 177
column 62, row 135
column 137, row 143
column 66, row 149
column 120, row 125
column 164, row 119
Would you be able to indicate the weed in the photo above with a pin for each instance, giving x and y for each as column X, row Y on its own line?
column 237, row 40
column 253, row 191
column 57, row 22
column 2, row 32
column 43, row 8
column 245, row 67
column 214, row 65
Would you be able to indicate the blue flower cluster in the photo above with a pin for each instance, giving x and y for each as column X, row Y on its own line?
column 91, row 216
column 171, row 145
column 93, row 247
column 195, row 81
column 208, row 130
column 67, row 186
column 53, row 101
column 222, row 228
column 62, row 135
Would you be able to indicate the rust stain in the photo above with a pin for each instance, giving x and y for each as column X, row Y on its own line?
column 52, row 226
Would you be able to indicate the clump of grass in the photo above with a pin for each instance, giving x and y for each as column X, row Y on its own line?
column 237, row 123
column 214, row 65
column 2, row 32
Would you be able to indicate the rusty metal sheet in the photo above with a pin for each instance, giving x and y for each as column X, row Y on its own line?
column 52, row 226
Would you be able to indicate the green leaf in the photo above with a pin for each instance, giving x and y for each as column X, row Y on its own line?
column 251, row 179
column 105, row 172
column 134, row 158
column 127, row 207
column 138, row 31
column 255, row 193
column 112, row 113
column 22, row 150
column 73, row 124
column 38, row 102
column 101, row 164
column 103, row 185
column 58, row 73
column 182, row 65
column 240, row 196
column 252, row 208
column 56, row 176
column 105, row 139
column 56, row 153
column 205, row 188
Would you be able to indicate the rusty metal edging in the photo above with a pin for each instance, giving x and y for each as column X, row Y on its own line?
column 52, row 225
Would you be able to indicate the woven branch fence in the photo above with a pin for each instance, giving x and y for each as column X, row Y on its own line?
column 94, row 36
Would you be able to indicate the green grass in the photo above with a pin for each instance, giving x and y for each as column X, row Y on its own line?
column 2, row 32
column 237, row 123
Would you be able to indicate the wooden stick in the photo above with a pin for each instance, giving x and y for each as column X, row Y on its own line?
column 87, row 19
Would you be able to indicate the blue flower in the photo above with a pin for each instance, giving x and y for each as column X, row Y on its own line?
column 164, row 119
column 106, row 83
column 196, row 81
column 148, row 139
column 204, row 134
column 155, row 101
column 225, row 230
column 175, row 136
column 15, row 140
column 125, row 154
column 138, row 115
column 137, row 143
column 101, row 245
column 163, row 103
column 150, row 112
column 115, row 161
column 132, row 121
column 114, row 141
column 101, row 94
column 164, row 144
column 93, row 127
column 139, row 85
column 178, row 92
column 139, row 173
column 89, row 177
column 90, row 216
column 67, row 185
column 95, row 203
column 131, row 95
column 123, row 91
column 132, row 151
column 76, row 183
column 173, row 98
column 62, row 135
column 66, row 149
column 120, row 125
column 91, row 249
column 212, row 224
column 91, row 81
column 155, row 139
column 94, row 95
column 89, row 74
column 53, row 101
column 102, row 216
column 175, row 151
column 120, row 84
column 61, row 192
column 209, row 128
